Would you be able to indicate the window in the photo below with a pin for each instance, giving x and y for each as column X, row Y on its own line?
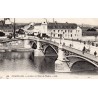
column 96, row 45
column 75, row 34
column 51, row 33
column 71, row 35
column 70, row 30
column 65, row 30
column 58, row 35
column 78, row 30
column 54, row 35
column 54, row 30
column 58, row 30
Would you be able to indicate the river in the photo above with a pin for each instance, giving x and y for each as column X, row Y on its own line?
column 26, row 62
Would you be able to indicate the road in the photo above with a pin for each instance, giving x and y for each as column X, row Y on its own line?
column 78, row 45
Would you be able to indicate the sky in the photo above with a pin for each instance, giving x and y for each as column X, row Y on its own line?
column 91, row 21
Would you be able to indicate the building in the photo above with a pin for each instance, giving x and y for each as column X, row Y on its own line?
column 57, row 30
column 65, row 30
column 40, row 28
column 89, row 34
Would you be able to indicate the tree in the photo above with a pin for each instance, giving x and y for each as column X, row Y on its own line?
column 20, row 31
column 10, row 36
column 2, row 34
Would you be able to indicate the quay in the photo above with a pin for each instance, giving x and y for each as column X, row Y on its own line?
column 14, row 45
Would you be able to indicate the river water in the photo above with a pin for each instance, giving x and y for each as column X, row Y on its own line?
column 26, row 62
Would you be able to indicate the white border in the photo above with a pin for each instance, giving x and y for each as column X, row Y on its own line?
column 48, row 88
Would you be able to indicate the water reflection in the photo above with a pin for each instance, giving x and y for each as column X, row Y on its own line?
column 15, row 61
column 44, row 64
column 25, row 61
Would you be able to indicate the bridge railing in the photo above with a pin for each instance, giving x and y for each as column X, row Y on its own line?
column 76, row 51
column 71, row 49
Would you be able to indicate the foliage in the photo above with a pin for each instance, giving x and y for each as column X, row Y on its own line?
column 2, row 34
column 20, row 31
column 10, row 36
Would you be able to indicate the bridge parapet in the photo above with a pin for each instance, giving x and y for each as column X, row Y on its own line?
column 63, row 52
column 70, row 49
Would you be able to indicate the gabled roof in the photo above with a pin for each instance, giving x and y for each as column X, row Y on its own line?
column 31, row 28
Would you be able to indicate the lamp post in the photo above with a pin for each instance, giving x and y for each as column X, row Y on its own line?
column 14, row 28
column 51, row 37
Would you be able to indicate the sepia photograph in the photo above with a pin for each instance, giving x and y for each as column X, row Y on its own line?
column 48, row 47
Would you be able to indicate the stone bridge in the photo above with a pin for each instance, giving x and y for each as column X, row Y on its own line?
column 68, row 57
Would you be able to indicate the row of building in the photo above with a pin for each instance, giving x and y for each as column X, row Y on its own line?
column 62, row 30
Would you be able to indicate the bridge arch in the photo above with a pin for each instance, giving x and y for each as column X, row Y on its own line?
column 33, row 44
column 50, row 47
column 78, row 63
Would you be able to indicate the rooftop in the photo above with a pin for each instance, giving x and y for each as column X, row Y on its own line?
column 59, row 25
column 89, row 33
column 62, row 25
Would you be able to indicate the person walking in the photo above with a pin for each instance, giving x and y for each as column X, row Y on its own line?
column 83, row 49
column 95, row 53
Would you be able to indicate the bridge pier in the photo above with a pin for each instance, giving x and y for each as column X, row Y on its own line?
column 61, row 62
column 26, row 44
column 38, row 51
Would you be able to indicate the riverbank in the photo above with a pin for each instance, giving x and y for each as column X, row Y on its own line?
column 17, row 50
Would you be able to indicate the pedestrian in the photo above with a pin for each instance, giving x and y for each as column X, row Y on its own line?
column 83, row 49
column 63, row 44
column 70, row 45
column 95, row 53
column 80, row 41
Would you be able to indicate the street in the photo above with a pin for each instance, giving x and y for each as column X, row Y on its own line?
column 78, row 45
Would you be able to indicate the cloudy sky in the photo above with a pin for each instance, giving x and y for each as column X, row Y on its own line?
column 91, row 21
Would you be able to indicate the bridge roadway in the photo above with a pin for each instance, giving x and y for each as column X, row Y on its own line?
column 76, row 51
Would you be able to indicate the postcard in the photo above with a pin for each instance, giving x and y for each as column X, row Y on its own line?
column 48, row 48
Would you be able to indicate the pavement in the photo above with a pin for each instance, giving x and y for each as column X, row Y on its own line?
column 78, row 45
